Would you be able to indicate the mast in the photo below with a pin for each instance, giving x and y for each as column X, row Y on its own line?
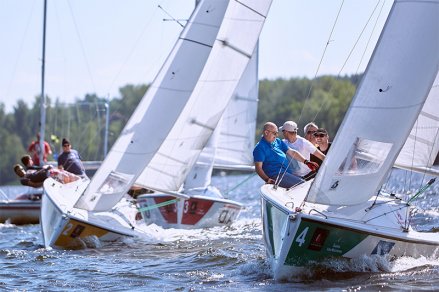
column 43, row 99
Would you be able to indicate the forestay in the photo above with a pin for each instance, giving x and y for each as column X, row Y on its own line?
column 422, row 146
column 163, row 138
column 389, row 99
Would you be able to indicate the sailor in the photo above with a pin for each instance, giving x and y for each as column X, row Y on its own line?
column 270, row 158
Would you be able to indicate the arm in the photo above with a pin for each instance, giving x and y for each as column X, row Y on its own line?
column 319, row 154
column 261, row 173
column 299, row 157
column 296, row 155
column 29, row 183
column 48, row 149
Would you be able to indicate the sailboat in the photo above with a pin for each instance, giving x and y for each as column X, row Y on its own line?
column 166, row 133
column 344, row 213
column 228, row 148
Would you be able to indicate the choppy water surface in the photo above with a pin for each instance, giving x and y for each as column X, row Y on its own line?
column 225, row 259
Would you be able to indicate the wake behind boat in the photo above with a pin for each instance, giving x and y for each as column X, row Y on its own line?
column 345, row 212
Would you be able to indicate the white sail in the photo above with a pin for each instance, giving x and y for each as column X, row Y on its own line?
column 230, row 55
column 173, row 121
column 230, row 146
column 170, row 90
column 238, row 124
column 422, row 146
column 388, row 101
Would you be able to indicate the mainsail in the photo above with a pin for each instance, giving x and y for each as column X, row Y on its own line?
column 238, row 124
column 174, row 120
column 390, row 97
column 422, row 146
column 230, row 146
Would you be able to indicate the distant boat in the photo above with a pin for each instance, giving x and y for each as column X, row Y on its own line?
column 166, row 133
column 394, row 116
column 20, row 204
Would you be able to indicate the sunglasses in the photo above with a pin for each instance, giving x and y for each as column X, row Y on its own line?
column 66, row 145
column 319, row 135
column 291, row 132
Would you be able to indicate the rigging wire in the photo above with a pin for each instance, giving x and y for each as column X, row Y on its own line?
column 321, row 61
column 131, row 52
column 325, row 105
column 358, row 39
column 82, row 47
column 370, row 37
column 20, row 50
column 424, row 172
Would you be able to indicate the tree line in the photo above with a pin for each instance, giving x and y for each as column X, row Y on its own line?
column 87, row 125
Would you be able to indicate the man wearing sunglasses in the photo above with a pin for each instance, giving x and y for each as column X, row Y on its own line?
column 322, row 140
column 300, row 144
column 70, row 159
column 271, row 162
column 309, row 131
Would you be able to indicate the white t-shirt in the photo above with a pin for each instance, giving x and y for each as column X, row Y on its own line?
column 305, row 148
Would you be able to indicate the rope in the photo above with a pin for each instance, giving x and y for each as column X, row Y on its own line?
column 239, row 184
column 158, row 205
column 325, row 105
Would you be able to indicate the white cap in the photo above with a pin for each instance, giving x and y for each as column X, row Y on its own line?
column 289, row 126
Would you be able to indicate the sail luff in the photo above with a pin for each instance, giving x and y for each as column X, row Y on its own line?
column 387, row 103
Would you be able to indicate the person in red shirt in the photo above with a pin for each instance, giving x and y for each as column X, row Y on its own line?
column 34, row 150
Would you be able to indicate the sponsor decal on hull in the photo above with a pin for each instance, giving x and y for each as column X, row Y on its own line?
column 315, row 242
column 194, row 210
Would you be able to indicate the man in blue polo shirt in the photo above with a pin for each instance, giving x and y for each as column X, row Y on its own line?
column 271, row 162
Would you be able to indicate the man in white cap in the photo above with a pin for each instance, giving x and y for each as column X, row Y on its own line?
column 271, row 162
column 300, row 144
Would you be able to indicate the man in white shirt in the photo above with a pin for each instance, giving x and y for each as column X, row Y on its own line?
column 300, row 144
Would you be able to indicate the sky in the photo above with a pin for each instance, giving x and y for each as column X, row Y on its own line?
column 98, row 46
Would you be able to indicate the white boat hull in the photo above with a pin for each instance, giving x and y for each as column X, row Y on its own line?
column 296, row 236
column 167, row 211
column 66, row 227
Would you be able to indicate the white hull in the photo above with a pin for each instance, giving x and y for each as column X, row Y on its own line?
column 196, row 212
column 296, row 236
column 66, row 227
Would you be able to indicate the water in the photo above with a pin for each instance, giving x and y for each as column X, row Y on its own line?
column 224, row 259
